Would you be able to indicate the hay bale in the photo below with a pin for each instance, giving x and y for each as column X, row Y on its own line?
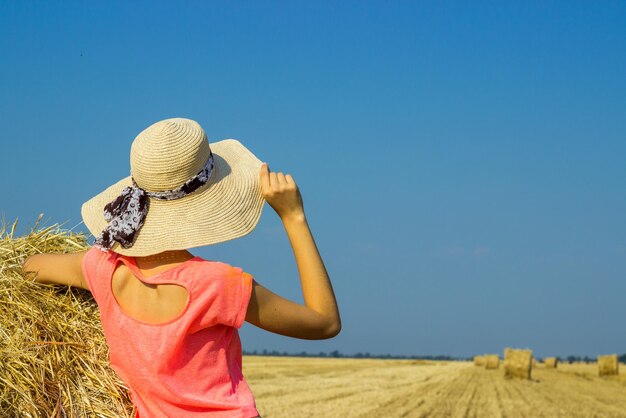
column 517, row 363
column 551, row 362
column 479, row 361
column 492, row 361
column 53, row 354
column 608, row 365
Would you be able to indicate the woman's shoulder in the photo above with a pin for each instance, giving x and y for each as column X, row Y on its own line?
column 218, row 266
column 96, row 254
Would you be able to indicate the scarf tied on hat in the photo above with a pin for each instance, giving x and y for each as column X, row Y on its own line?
column 127, row 213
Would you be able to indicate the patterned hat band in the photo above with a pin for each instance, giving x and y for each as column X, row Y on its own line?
column 127, row 213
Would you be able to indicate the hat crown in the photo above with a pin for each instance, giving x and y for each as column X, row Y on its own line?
column 168, row 153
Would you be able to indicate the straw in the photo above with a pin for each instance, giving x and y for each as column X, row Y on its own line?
column 53, row 354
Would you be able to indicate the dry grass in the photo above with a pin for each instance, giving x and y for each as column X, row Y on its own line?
column 286, row 387
column 551, row 362
column 492, row 361
column 54, row 357
column 589, row 371
column 517, row 363
column 479, row 361
column 608, row 365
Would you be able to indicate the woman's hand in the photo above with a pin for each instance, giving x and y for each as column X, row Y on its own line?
column 282, row 194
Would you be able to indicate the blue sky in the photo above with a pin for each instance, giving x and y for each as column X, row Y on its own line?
column 462, row 163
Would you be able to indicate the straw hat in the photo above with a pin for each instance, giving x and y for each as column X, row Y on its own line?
column 165, row 156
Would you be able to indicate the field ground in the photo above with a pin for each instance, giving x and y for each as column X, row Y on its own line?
column 321, row 387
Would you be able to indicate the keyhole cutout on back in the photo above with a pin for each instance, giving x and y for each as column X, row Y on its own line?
column 146, row 302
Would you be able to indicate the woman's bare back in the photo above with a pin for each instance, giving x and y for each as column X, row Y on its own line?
column 146, row 302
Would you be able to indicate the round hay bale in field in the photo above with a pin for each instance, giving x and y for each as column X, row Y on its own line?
column 517, row 363
column 479, row 361
column 551, row 362
column 608, row 365
column 54, row 357
column 492, row 361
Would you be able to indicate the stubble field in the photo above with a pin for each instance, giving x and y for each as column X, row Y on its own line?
column 321, row 387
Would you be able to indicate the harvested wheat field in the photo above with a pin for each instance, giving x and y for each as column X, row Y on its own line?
column 311, row 387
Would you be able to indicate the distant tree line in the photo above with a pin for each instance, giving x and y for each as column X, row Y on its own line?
column 585, row 359
column 338, row 354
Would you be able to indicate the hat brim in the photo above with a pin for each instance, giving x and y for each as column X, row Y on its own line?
column 229, row 206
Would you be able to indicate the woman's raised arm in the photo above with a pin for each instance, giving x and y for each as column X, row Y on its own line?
column 319, row 317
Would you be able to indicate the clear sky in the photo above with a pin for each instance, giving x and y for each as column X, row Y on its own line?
column 463, row 164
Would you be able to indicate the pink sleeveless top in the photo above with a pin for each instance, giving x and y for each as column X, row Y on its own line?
column 189, row 366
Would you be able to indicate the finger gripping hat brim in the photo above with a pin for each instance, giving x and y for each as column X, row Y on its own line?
column 229, row 206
